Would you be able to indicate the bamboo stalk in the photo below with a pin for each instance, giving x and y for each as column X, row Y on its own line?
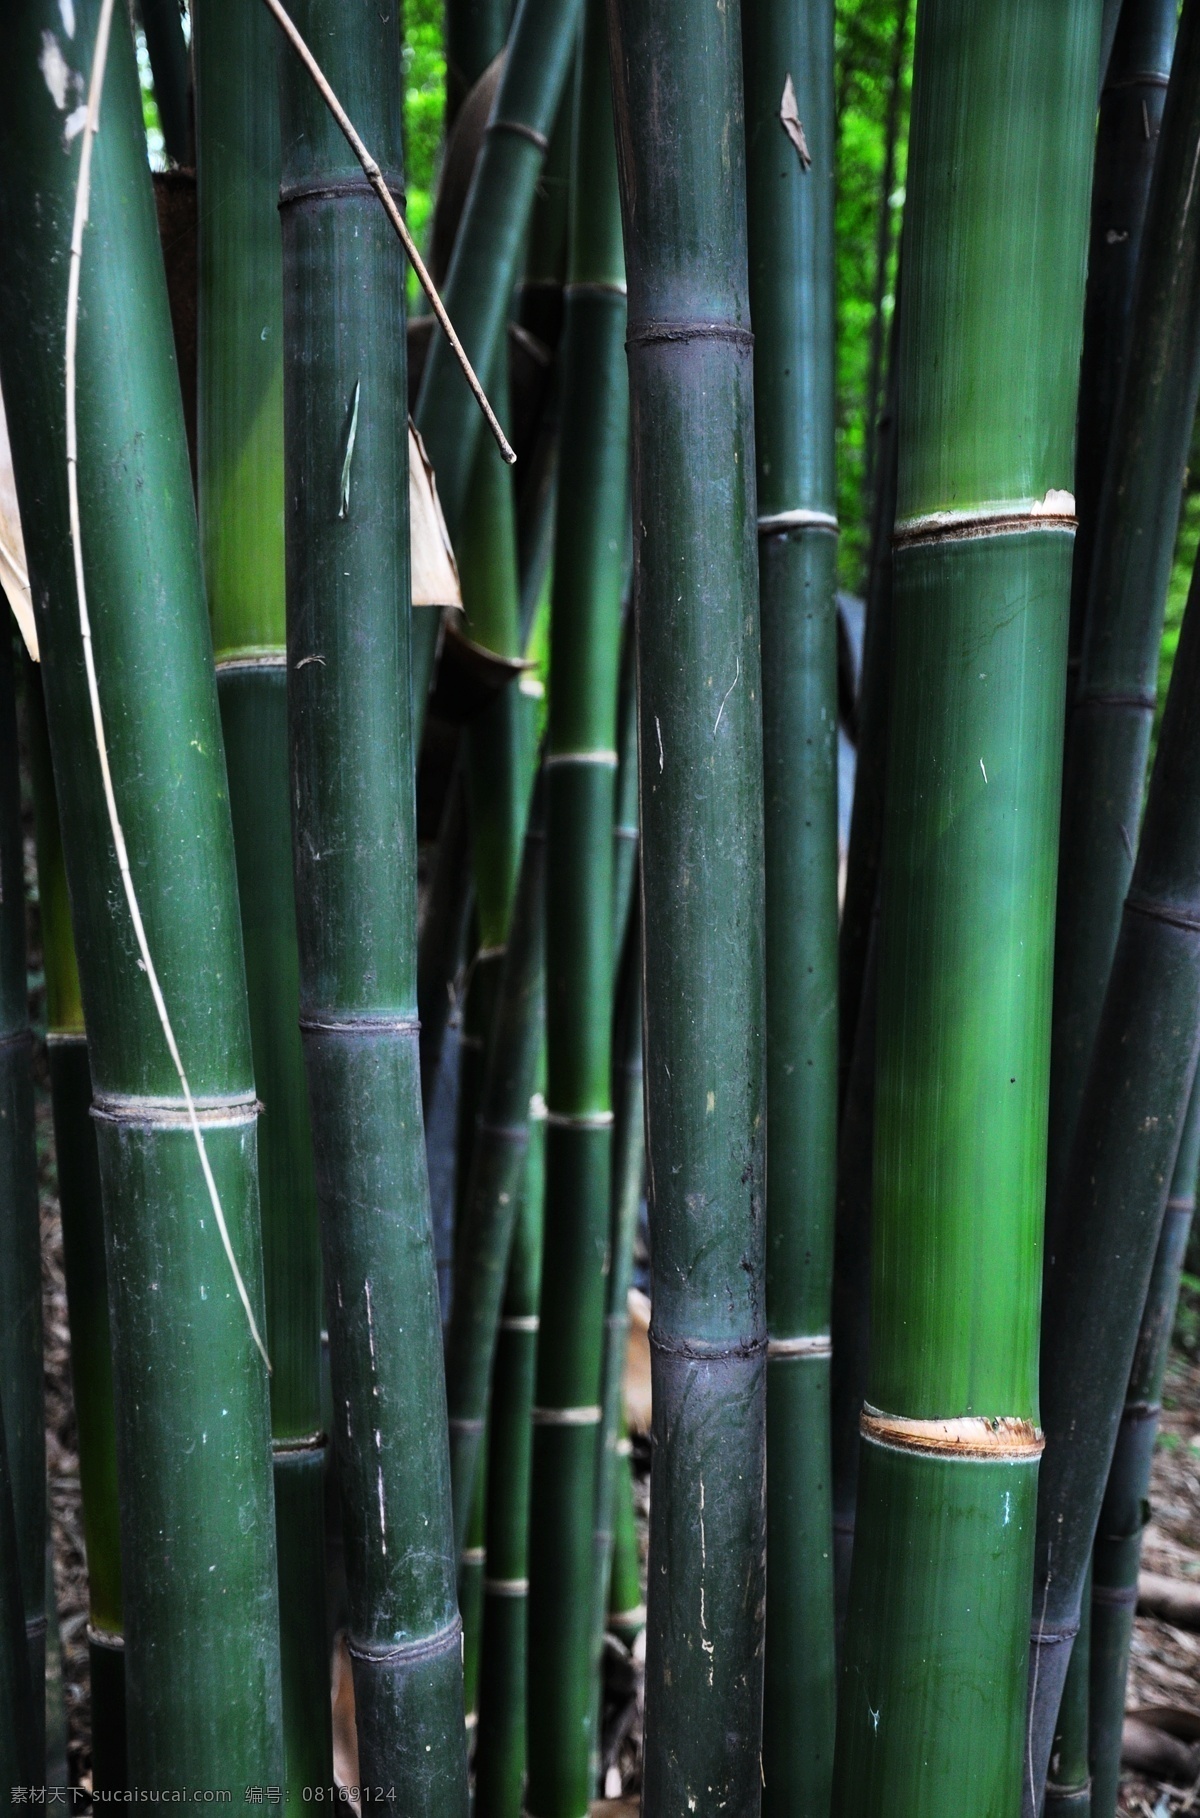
column 676, row 73
column 197, row 1543
column 1125, row 1509
column 497, row 1169
column 1125, row 1147
column 788, row 58
column 354, row 851
column 930, row 1718
column 500, row 1737
column 81, row 1208
column 163, row 26
column 581, row 763
column 1068, row 1781
column 20, row 1764
column 474, row 33
column 1135, row 522
column 883, row 250
column 240, row 488
column 484, row 264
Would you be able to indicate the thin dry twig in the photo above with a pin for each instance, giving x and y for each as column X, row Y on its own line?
column 82, row 198
column 375, row 178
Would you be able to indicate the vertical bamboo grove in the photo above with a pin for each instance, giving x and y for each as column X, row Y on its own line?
column 1004, row 99
column 354, row 843
column 81, row 1208
column 789, row 68
column 1126, row 1142
column 240, row 475
column 680, row 152
column 197, row 1518
column 581, row 764
column 1113, row 706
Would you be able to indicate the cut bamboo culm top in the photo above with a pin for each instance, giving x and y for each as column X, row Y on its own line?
column 999, row 168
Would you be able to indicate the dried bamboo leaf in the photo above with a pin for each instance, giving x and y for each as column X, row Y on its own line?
column 14, row 576
column 789, row 119
column 434, row 571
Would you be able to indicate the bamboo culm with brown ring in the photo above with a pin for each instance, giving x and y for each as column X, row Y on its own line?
column 1136, row 512
column 788, row 54
column 676, row 72
column 500, row 1735
column 21, row 1384
column 497, row 1168
column 483, row 267
column 191, row 1393
column 350, row 735
column 82, row 1212
column 1122, row 1159
column 240, row 500
column 932, row 1691
column 1125, row 1510
column 581, row 763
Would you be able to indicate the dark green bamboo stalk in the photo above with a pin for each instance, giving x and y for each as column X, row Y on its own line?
column 475, row 33
column 625, row 809
column 354, row 826
column 484, row 265
column 626, row 1608
column 197, row 1530
column 628, row 1185
column 1135, row 522
column 240, row 486
column 933, row 1689
column 883, row 251
column 163, row 25
column 81, row 1207
column 1133, row 91
column 680, row 149
column 21, row 1389
column 1125, row 1509
column 1068, row 1781
column 1108, row 30
column 500, row 1737
column 1122, row 1159
column 497, row 1168
column 788, row 50
column 581, row 763
column 20, row 1763
column 850, row 1320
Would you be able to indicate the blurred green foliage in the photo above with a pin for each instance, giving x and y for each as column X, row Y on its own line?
column 424, row 108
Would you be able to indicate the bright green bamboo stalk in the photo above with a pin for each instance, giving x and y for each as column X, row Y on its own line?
column 788, row 50
column 197, row 1535
column 81, row 1207
column 484, row 265
column 626, row 1609
column 354, row 824
column 930, row 1719
column 678, row 107
column 163, row 25
column 240, row 476
column 581, row 762
column 1125, row 1509
column 500, row 1738
column 1135, row 522
column 21, row 1389
column 1126, row 1142
column 497, row 1169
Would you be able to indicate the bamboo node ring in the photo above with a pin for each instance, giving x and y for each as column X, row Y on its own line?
column 1000, row 1438
column 566, row 1417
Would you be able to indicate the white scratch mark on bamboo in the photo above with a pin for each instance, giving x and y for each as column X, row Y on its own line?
column 737, row 676
column 984, row 771
column 82, row 198
column 344, row 497
column 661, row 759
column 707, row 1646
column 382, row 1514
